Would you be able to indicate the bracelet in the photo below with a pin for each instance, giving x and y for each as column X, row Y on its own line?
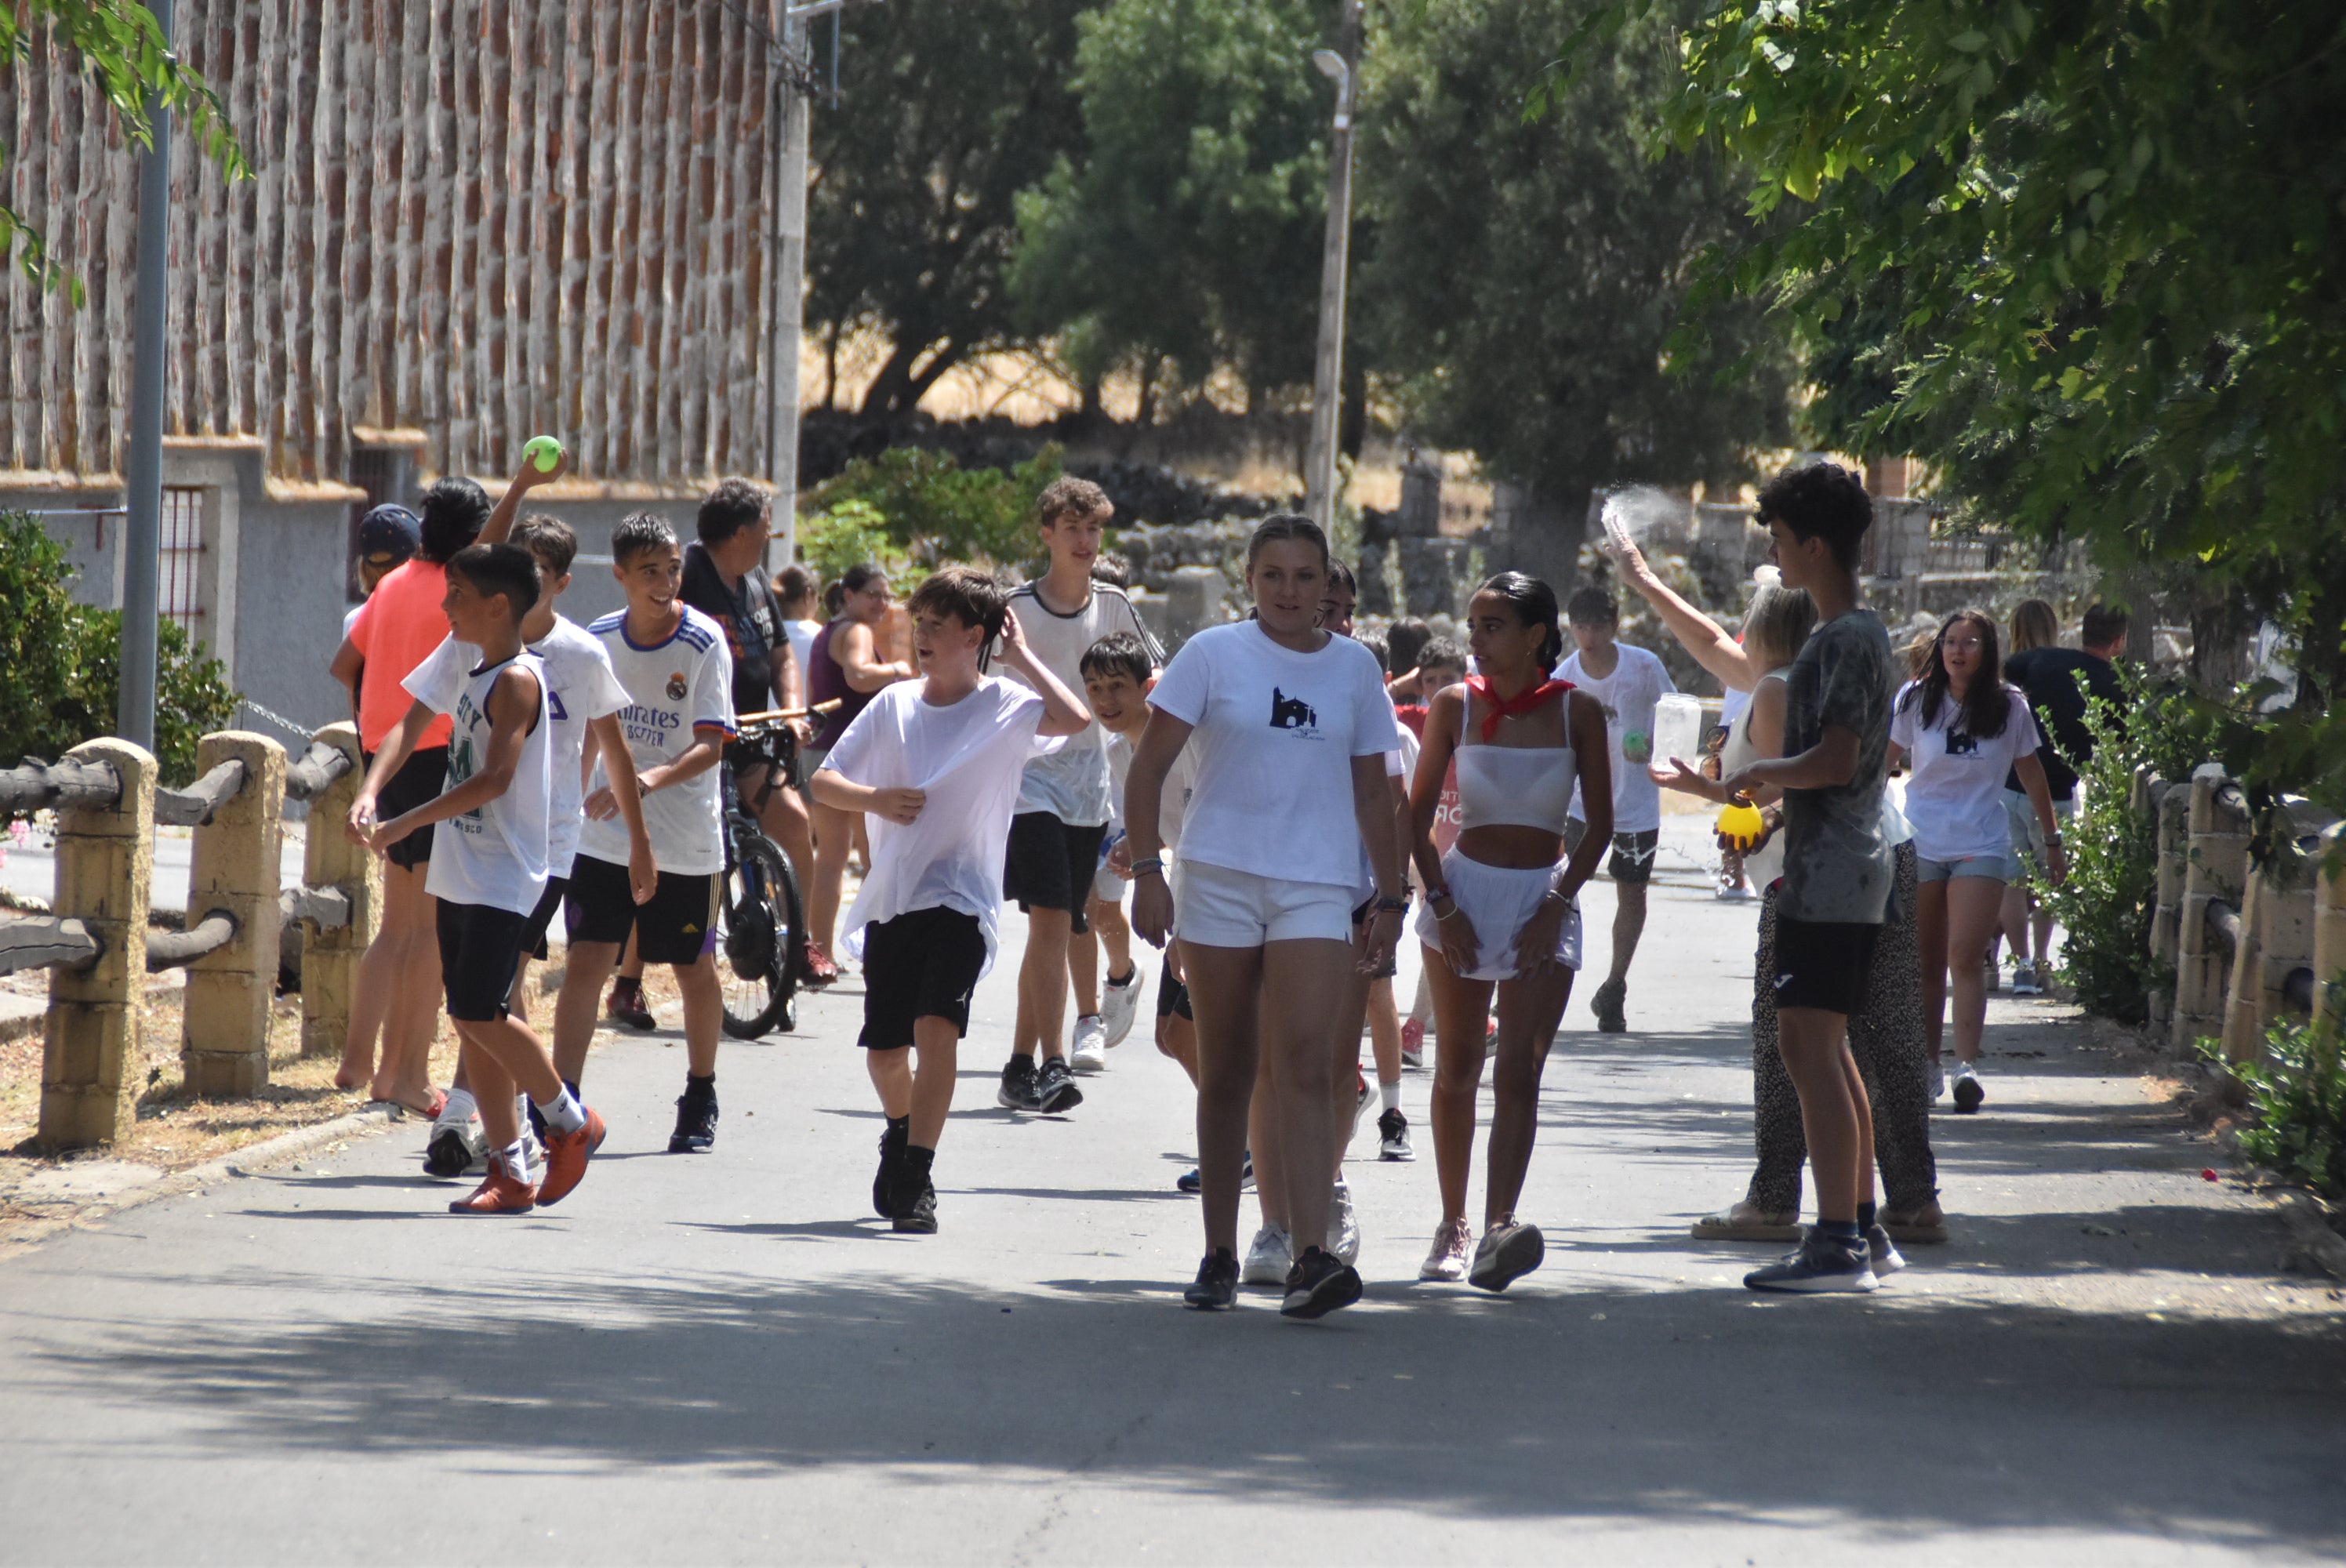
column 1393, row 906
column 1153, row 863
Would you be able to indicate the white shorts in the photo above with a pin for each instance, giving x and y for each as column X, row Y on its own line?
column 1218, row 907
column 1498, row 900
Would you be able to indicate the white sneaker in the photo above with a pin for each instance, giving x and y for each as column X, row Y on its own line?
column 1343, row 1224
column 1090, row 1053
column 1447, row 1260
column 1269, row 1258
column 1938, row 1081
column 2025, row 981
column 1119, row 1006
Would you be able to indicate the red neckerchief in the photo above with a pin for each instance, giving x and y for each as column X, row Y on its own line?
column 1522, row 701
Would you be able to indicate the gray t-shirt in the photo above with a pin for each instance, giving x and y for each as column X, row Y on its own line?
column 1837, row 864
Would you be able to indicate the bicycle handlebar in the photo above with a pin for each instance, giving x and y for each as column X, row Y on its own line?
column 776, row 714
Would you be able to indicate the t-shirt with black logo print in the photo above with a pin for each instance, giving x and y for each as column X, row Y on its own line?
column 1275, row 732
column 1954, row 785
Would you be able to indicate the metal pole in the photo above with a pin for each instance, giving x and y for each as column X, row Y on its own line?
column 142, row 538
column 1342, row 65
column 789, row 283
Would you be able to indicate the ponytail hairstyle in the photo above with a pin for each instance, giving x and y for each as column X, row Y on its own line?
column 1534, row 603
column 1286, row 525
column 1986, row 706
column 2034, row 624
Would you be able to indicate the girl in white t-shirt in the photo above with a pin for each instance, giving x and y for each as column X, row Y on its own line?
column 1959, row 728
column 1290, row 725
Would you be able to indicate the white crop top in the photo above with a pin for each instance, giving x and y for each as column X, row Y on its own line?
column 1512, row 786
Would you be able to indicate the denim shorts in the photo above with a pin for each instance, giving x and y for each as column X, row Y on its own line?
column 2004, row 868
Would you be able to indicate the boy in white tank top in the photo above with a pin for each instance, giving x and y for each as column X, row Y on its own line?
column 489, row 867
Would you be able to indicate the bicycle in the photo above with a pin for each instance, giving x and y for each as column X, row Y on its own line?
column 760, row 916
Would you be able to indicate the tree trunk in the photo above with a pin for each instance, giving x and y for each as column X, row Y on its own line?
column 1352, row 408
column 1150, row 366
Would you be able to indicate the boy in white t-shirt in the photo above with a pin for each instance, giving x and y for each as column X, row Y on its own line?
column 1627, row 682
column 488, row 866
column 1062, row 805
column 1117, row 675
column 935, row 765
column 678, row 672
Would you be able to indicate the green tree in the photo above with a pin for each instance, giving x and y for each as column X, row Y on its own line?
column 1188, row 228
column 2087, row 259
column 1524, row 278
column 950, row 108
column 124, row 53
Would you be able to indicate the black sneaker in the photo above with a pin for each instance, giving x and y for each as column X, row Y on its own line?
column 1189, row 1181
column 920, row 1218
column 1017, row 1091
column 1392, row 1137
column 1607, row 1005
column 1055, row 1087
column 448, row 1154
column 1216, row 1289
column 1821, row 1262
column 1318, row 1285
column 892, row 1154
column 696, row 1121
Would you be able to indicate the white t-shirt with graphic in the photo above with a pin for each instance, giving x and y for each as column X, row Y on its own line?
column 968, row 757
column 1627, row 696
column 1954, row 779
column 675, row 687
column 1072, row 783
column 581, row 689
column 1275, row 732
column 495, row 854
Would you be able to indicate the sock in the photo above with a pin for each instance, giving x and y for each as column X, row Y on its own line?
column 700, row 1088
column 1865, row 1215
column 901, row 1129
column 516, row 1160
column 461, row 1107
column 572, row 1084
column 1840, row 1229
column 563, row 1114
column 1392, row 1092
column 918, row 1163
column 1129, row 976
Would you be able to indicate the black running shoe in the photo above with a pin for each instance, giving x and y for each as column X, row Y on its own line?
column 696, row 1121
column 447, row 1154
column 1318, row 1285
column 892, row 1154
column 1055, row 1087
column 1216, row 1289
column 920, row 1218
column 1017, row 1091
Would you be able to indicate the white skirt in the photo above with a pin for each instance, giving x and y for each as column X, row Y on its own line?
column 1498, row 901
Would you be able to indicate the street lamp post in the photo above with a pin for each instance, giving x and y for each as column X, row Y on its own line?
column 1328, row 371
column 142, row 535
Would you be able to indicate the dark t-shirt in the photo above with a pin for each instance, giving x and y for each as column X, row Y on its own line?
column 2050, row 676
column 1837, row 864
column 752, row 618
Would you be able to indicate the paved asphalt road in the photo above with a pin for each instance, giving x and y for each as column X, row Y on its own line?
column 723, row 1358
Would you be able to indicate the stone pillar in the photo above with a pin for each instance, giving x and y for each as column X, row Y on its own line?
column 2330, row 934
column 2169, row 804
column 1420, row 516
column 89, row 1070
column 2244, row 1032
column 330, row 956
column 1192, row 603
column 2217, row 867
column 224, row 1043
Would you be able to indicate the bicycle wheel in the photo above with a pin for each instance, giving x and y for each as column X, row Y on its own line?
column 756, row 923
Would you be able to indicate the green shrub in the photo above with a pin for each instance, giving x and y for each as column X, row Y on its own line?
column 848, row 533
column 938, row 511
column 63, row 664
column 2105, row 905
column 2299, row 1095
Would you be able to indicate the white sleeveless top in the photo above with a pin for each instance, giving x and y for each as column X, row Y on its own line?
column 1766, row 863
column 495, row 854
column 1513, row 786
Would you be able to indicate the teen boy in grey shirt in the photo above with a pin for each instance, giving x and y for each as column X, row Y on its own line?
column 1837, row 868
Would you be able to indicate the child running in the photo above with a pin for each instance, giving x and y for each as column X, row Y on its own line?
column 935, row 765
column 673, row 663
column 1501, row 908
column 1063, row 807
column 1838, row 866
column 1117, row 673
column 1292, row 724
column 489, row 869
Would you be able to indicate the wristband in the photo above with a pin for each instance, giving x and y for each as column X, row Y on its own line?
column 1153, row 863
column 1393, row 906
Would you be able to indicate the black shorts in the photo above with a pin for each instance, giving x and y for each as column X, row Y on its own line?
column 924, row 963
column 480, row 952
column 1172, row 997
column 1632, row 860
column 677, row 927
column 420, row 779
column 533, row 931
column 1822, row 964
column 1050, row 865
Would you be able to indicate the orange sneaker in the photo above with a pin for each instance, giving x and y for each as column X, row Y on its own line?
column 566, row 1155
column 499, row 1193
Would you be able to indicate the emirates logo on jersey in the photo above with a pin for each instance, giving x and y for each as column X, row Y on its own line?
column 676, row 686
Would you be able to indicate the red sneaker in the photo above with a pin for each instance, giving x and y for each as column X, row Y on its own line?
column 500, row 1192
column 566, row 1155
column 819, row 971
column 627, row 1005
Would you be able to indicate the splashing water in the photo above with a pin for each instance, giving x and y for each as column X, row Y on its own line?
column 1636, row 511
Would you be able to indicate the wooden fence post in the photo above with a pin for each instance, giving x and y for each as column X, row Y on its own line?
column 224, row 1043
column 331, row 955
column 2216, row 867
column 2330, row 932
column 105, row 856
